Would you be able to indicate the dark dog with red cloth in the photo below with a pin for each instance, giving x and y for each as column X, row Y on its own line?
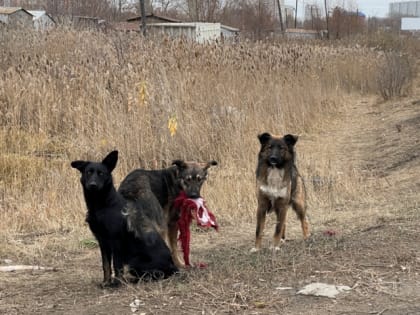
column 182, row 181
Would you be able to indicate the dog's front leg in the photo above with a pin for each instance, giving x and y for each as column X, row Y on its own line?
column 280, row 230
column 173, row 245
column 264, row 205
column 106, row 261
column 118, row 264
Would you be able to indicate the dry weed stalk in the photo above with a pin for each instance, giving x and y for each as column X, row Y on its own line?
column 77, row 94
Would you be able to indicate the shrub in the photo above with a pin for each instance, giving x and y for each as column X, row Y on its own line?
column 395, row 75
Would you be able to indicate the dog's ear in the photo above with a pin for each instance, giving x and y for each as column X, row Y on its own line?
column 79, row 165
column 180, row 164
column 264, row 137
column 290, row 139
column 210, row 163
column 110, row 161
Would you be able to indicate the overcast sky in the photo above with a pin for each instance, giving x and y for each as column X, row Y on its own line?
column 371, row 8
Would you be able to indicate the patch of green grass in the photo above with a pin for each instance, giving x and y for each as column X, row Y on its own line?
column 89, row 243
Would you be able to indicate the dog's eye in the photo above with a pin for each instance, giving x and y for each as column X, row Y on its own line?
column 188, row 178
column 198, row 177
column 89, row 172
column 100, row 173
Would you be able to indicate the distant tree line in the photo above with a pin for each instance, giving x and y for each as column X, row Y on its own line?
column 253, row 17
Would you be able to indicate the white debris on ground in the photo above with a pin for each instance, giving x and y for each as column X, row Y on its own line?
column 10, row 268
column 135, row 305
column 323, row 289
column 284, row 288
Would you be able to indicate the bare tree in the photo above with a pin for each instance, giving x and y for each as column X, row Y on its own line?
column 162, row 5
column 201, row 10
column 253, row 17
column 94, row 8
column 313, row 18
column 104, row 9
column 346, row 23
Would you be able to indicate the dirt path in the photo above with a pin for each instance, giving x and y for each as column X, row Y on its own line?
column 375, row 251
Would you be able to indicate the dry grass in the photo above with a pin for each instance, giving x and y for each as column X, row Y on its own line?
column 68, row 95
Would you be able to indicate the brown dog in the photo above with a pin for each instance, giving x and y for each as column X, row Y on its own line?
column 166, row 185
column 279, row 185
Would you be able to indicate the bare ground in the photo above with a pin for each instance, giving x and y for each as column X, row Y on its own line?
column 373, row 243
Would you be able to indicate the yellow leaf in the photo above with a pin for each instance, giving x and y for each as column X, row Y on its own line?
column 142, row 98
column 172, row 125
column 103, row 142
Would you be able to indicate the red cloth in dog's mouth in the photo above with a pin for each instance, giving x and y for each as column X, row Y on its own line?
column 190, row 209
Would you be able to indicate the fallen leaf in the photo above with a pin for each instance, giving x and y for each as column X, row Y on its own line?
column 259, row 304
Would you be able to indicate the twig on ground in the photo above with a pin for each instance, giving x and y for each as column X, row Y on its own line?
column 43, row 233
column 25, row 268
column 208, row 291
column 381, row 312
column 375, row 227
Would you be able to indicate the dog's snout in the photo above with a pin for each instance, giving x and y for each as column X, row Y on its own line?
column 193, row 195
column 92, row 185
column 273, row 160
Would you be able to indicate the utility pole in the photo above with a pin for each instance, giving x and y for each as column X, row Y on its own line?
column 326, row 18
column 296, row 13
column 312, row 17
column 143, row 17
column 280, row 16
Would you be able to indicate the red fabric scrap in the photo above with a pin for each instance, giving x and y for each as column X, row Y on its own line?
column 190, row 209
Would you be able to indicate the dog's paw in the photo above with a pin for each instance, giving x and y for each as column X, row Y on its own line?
column 180, row 265
column 108, row 285
column 254, row 250
column 276, row 248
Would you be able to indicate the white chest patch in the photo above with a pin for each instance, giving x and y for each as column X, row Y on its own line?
column 275, row 187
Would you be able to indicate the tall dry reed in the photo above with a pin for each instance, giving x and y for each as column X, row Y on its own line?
column 69, row 94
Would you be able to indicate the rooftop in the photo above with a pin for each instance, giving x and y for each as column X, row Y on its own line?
column 37, row 14
column 10, row 10
column 151, row 15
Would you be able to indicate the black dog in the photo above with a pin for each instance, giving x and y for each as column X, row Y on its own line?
column 125, row 230
column 165, row 185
